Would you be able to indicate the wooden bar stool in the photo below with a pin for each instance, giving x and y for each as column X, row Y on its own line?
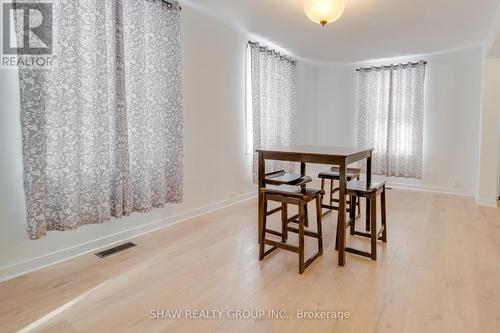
column 334, row 175
column 294, row 195
column 284, row 178
column 357, row 190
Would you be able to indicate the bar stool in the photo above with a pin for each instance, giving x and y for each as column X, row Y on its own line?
column 294, row 195
column 357, row 190
column 284, row 178
column 334, row 175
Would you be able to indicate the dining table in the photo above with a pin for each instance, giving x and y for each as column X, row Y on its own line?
column 329, row 155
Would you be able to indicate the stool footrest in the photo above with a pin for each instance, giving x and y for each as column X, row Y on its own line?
column 325, row 213
column 271, row 212
column 283, row 246
column 274, row 232
column 330, row 207
column 362, row 234
column 311, row 260
column 295, row 219
column 306, row 232
column 368, row 235
column 271, row 250
column 358, row 252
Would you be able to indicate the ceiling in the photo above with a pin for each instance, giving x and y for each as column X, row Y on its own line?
column 369, row 29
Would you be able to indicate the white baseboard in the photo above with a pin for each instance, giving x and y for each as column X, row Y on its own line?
column 424, row 188
column 432, row 189
column 487, row 203
column 24, row 267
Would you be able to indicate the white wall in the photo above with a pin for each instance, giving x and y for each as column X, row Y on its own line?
column 490, row 129
column 217, row 171
column 452, row 112
column 335, row 112
column 307, row 86
column 329, row 116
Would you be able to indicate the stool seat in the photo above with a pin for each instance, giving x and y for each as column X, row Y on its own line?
column 360, row 188
column 334, row 173
column 282, row 177
column 293, row 191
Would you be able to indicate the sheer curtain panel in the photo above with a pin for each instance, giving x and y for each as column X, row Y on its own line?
column 102, row 128
column 391, row 118
column 273, row 89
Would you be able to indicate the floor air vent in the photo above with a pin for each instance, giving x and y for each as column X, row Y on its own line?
column 116, row 249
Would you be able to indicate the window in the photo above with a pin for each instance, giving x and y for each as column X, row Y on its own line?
column 102, row 130
column 273, row 90
column 391, row 112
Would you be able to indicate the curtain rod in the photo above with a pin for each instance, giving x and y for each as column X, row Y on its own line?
column 170, row 5
column 390, row 66
column 271, row 51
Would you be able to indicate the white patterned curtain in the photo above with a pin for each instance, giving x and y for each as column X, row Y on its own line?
column 102, row 129
column 391, row 118
column 273, row 89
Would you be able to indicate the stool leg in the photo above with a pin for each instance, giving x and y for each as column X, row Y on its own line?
column 352, row 204
column 306, row 216
column 322, row 187
column 284, row 222
column 263, row 223
column 331, row 191
column 318, row 222
column 301, row 237
column 352, row 213
column 337, row 235
column 368, row 204
column 373, row 221
column 359, row 203
column 384, row 215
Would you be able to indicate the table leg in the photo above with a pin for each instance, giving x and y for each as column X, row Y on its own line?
column 368, row 215
column 342, row 213
column 368, row 184
column 369, row 170
column 261, row 184
column 303, row 173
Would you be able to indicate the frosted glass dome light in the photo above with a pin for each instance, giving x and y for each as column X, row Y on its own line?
column 324, row 11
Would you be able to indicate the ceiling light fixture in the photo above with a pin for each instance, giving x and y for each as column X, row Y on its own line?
column 324, row 11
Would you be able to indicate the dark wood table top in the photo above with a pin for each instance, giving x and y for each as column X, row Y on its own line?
column 317, row 150
column 315, row 154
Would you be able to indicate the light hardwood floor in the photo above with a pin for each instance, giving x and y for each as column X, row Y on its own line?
column 439, row 272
